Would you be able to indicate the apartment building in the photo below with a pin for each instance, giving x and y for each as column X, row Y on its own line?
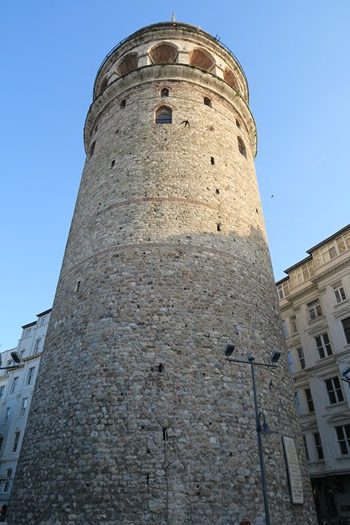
column 315, row 308
column 16, row 388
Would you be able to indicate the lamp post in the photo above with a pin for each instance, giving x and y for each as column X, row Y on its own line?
column 260, row 428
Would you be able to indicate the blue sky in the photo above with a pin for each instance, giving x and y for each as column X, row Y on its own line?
column 296, row 57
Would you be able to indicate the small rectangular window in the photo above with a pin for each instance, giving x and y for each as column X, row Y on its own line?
column 7, row 414
column 293, row 324
column 309, row 400
column 30, row 375
column 323, row 345
column 314, row 309
column 24, row 404
column 16, row 441
column 335, row 393
column 301, row 356
column 339, row 294
column 346, row 327
column 36, row 345
column 13, row 385
column 318, row 445
column 343, row 435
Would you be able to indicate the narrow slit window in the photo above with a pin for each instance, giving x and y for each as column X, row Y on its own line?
column 164, row 115
column 207, row 102
column 238, row 124
column 113, row 163
column 123, row 104
column 164, row 92
column 212, row 160
column 241, row 147
column 92, row 149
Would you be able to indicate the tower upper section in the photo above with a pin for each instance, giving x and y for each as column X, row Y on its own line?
column 171, row 50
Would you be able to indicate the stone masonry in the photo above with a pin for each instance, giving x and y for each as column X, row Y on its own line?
column 137, row 418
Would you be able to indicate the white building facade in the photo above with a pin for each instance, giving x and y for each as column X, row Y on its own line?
column 16, row 388
column 315, row 308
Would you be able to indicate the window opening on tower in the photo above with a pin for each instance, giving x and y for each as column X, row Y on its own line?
column 241, row 147
column 164, row 92
column 207, row 102
column 164, row 115
column 123, row 104
column 92, row 149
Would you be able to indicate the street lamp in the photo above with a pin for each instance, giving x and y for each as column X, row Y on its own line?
column 16, row 358
column 261, row 427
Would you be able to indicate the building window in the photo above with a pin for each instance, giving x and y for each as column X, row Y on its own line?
column 202, row 59
column 301, row 357
column 123, row 104
column 318, row 445
column 293, row 324
column 241, row 147
column 307, row 455
column 14, row 384
column 92, row 149
column 164, row 115
column 36, row 345
column 334, row 390
column 16, row 441
column 7, row 414
column 30, row 375
column 323, row 345
column 314, row 309
column 163, row 53
column 310, row 403
column 9, row 472
column 207, row 102
column 1, row 442
column 346, row 327
column 6, row 486
column 2, row 390
column 164, row 92
column 339, row 293
column 343, row 435
column 24, row 404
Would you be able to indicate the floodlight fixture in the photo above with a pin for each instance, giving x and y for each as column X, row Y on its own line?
column 275, row 355
column 229, row 349
column 16, row 357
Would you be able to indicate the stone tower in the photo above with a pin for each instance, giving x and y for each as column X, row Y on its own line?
column 137, row 417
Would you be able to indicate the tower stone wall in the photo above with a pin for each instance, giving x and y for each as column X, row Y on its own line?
column 137, row 416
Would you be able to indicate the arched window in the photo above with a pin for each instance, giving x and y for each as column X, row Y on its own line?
column 241, row 147
column 230, row 78
column 128, row 63
column 164, row 115
column 163, row 53
column 202, row 59
column 164, row 92
column 207, row 101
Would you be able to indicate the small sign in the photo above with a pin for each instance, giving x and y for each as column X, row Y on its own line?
column 293, row 469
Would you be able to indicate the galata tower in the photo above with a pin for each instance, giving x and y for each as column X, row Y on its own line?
column 137, row 416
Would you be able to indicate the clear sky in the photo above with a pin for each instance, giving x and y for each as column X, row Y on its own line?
column 296, row 56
